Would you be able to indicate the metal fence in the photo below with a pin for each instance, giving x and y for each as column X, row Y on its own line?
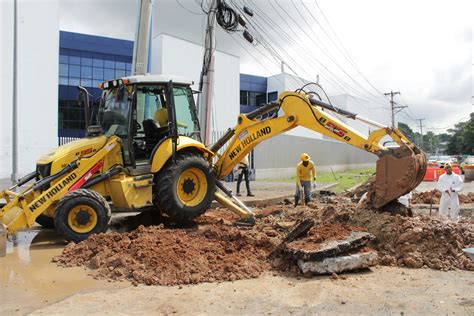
column 65, row 140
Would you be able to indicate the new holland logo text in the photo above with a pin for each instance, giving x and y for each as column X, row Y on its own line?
column 248, row 140
column 52, row 192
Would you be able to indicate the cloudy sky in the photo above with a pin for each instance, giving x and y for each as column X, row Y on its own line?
column 422, row 48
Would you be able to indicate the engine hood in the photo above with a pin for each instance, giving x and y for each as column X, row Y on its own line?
column 64, row 154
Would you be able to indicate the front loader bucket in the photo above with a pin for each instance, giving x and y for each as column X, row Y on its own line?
column 398, row 173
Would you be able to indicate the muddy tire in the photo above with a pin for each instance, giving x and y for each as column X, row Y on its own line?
column 185, row 188
column 45, row 221
column 80, row 214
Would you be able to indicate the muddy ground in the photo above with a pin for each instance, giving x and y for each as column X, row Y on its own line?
column 213, row 254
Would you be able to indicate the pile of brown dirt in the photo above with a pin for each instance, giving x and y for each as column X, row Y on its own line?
column 415, row 242
column 154, row 255
column 429, row 197
column 434, row 196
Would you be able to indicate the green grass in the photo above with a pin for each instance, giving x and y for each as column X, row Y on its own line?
column 344, row 179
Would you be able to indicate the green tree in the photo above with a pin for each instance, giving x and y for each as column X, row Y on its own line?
column 407, row 131
column 461, row 141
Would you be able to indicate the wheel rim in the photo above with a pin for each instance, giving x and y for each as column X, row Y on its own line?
column 82, row 219
column 192, row 187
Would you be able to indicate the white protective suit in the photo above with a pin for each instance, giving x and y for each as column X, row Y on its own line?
column 449, row 202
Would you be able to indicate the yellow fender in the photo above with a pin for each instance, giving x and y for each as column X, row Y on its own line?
column 165, row 151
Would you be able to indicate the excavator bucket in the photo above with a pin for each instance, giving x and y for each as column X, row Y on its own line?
column 398, row 172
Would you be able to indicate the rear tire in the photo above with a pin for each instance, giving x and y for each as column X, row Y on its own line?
column 45, row 221
column 80, row 214
column 185, row 189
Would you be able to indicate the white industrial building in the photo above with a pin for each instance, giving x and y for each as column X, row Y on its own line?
column 37, row 93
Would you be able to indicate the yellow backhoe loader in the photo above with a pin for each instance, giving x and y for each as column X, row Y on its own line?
column 144, row 151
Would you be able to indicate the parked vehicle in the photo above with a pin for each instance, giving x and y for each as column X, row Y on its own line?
column 468, row 161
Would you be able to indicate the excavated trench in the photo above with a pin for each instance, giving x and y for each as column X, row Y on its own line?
column 212, row 249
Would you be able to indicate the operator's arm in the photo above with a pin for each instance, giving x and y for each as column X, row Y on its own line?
column 313, row 172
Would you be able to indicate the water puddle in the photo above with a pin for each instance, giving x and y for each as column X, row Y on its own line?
column 28, row 278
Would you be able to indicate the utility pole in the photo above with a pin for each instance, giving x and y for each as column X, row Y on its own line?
column 14, row 174
column 206, row 84
column 141, row 48
column 394, row 106
column 421, row 131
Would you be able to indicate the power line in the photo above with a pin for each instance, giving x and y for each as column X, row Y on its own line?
column 291, row 39
column 349, row 58
column 325, row 50
column 190, row 11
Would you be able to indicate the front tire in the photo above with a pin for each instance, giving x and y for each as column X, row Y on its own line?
column 80, row 214
column 185, row 188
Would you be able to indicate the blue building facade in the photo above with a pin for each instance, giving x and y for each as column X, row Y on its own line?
column 86, row 60
column 253, row 92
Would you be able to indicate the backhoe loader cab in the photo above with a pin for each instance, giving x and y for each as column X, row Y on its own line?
column 144, row 110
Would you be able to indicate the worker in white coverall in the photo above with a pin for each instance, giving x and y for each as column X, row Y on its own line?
column 449, row 184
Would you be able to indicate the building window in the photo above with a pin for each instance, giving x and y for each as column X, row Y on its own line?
column 86, row 82
column 98, row 73
column 273, row 96
column 119, row 73
column 74, row 60
column 252, row 98
column 109, row 74
column 63, row 70
column 74, row 81
column 74, row 71
column 261, row 98
column 86, row 72
column 98, row 63
column 63, row 59
column 243, row 97
column 120, row 65
column 86, row 61
column 109, row 64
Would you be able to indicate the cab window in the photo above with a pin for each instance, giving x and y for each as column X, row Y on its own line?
column 186, row 118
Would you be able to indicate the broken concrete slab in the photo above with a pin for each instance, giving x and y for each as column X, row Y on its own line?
column 340, row 264
column 330, row 248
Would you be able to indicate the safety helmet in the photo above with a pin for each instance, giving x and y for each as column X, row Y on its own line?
column 305, row 157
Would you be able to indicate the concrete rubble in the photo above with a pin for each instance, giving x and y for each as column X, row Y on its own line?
column 340, row 264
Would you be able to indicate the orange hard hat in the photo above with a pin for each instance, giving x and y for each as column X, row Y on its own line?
column 305, row 157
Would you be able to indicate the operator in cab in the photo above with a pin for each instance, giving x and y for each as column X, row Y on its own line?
column 449, row 184
column 161, row 116
column 305, row 171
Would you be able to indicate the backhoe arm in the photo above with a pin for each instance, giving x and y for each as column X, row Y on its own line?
column 300, row 109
